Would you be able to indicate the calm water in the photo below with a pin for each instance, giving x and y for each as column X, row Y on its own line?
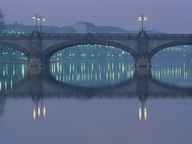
column 96, row 102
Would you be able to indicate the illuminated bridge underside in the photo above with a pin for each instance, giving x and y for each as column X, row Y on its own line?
column 142, row 46
column 139, row 86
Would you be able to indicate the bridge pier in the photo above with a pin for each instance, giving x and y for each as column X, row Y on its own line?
column 142, row 63
column 34, row 59
column 142, row 60
column 35, row 62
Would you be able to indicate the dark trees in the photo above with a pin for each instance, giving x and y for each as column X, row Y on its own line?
column 2, row 22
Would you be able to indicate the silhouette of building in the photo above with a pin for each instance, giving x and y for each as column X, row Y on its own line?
column 80, row 27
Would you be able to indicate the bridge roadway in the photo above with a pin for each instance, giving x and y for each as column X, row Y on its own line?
column 39, row 48
column 141, row 86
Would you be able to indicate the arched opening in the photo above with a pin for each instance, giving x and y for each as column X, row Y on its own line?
column 11, row 55
column 92, row 65
column 91, row 52
column 173, row 55
column 172, row 65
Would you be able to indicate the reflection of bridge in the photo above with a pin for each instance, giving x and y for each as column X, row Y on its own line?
column 142, row 85
column 39, row 48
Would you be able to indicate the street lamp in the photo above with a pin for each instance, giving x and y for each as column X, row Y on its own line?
column 41, row 19
column 35, row 18
column 142, row 18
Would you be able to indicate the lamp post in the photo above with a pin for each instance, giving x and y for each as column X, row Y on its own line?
column 142, row 18
column 35, row 18
column 41, row 19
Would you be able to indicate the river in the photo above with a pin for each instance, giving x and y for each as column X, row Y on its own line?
column 91, row 102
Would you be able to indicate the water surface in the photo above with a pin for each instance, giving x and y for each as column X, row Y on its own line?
column 124, row 107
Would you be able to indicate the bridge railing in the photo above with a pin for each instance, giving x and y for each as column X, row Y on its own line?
column 86, row 34
column 71, row 35
column 185, row 35
column 15, row 35
column 170, row 37
column 97, row 35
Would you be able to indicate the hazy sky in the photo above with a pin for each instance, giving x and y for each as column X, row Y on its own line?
column 171, row 16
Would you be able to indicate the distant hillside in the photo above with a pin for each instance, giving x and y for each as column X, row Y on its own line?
column 79, row 27
column 110, row 29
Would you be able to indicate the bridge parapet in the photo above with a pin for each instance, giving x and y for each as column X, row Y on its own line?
column 15, row 37
column 169, row 36
column 96, row 36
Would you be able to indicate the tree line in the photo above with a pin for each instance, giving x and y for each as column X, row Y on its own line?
column 2, row 22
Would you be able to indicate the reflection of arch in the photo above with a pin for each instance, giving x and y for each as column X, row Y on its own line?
column 17, row 47
column 161, row 47
column 140, row 86
column 32, row 85
column 53, row 49
column 88, row 91
column 177, row 89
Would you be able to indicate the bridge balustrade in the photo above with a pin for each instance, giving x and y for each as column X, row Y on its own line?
column 169, row 36
column 103, row 36
column 14, row 37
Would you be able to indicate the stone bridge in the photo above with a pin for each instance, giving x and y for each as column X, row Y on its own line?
column 39, row 48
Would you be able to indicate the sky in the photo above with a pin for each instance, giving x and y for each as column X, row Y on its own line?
column 170, row 16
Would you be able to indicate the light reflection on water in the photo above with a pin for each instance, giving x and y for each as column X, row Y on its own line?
column 98, row 73
column 107, row 73
column 40, row 117
column 94, row 73
column 11, row 74
column 179, row 75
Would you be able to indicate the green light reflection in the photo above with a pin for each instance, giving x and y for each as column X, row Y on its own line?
column 97, row 73
column 11, row 74
column 173, row 74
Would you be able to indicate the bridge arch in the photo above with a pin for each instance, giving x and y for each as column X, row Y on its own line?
column 17, row 47
column 49, row 52
column 171, row 44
